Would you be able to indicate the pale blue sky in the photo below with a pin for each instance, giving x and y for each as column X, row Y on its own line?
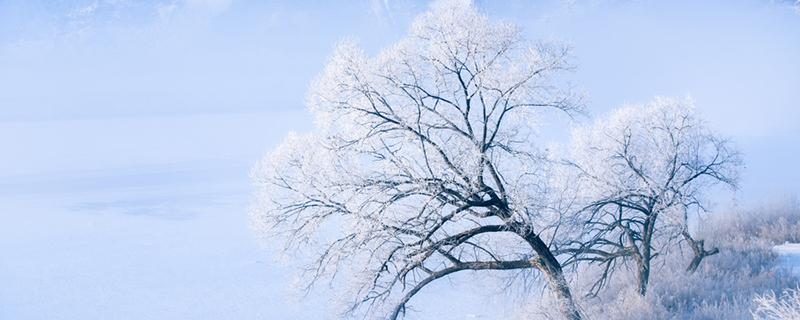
column 128, row 128
column 98, row 59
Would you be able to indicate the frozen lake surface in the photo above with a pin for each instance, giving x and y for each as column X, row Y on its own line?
column 154, row 226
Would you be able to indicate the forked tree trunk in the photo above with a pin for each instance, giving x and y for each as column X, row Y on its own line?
column 553, row 273
column 699, row 250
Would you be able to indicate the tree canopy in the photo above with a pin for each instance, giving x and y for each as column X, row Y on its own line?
column 422, row 164
column 421, row 160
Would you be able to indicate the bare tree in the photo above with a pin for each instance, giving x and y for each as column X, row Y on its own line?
column 421, row 164
column 643, row 171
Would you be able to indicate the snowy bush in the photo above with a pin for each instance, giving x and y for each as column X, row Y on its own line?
column 772, row 307
column 737, row 283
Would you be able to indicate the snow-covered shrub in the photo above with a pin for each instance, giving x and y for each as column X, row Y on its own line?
column 773, row 307
column 725, row 284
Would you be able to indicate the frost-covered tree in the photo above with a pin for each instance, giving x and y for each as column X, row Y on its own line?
column 421, row 164
column 643, row 171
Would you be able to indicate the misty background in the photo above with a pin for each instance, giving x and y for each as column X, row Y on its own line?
column 128, row 129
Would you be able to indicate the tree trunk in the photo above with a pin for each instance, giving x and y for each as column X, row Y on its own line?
column 558, row 284
column 694, row 264
column 643, row 275
column 553, row 272
column 699, row 250
column 698, row 257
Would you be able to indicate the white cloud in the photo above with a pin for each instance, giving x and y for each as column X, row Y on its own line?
column 85, row 10
column 381, row 9
column 172, row 8
column 211, row 6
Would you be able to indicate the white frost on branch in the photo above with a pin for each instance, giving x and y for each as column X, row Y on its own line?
column 421, row 163
column 640, row 173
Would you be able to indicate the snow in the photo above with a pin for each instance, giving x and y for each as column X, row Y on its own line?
column 155, row 226
column 789, row 256
column 111, row 210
